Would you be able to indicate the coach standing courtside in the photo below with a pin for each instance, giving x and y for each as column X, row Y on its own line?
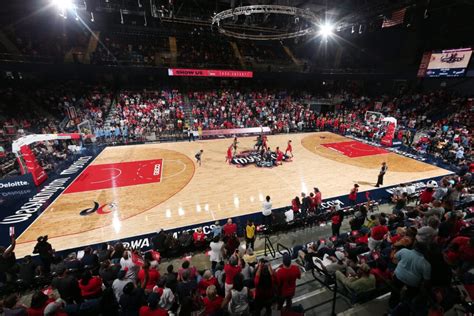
column 382, row 172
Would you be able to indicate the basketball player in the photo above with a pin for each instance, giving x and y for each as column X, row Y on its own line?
column 258, row 144
column 229, row 155
column 279, row 156
column 289, row 149
column 268, row 157
column 198, row 157
column 234, row 144
column 382, row 172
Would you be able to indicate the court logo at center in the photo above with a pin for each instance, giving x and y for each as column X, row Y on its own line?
column 99, row 209
column 269, row 159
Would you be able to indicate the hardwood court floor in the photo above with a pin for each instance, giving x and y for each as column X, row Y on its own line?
column 188, row 194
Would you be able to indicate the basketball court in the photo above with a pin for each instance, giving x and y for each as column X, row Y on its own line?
column 132, row 190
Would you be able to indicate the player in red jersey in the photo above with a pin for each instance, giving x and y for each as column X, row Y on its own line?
column 289, row 149
column 264, row 141
column 229, row 154
column 279, row 156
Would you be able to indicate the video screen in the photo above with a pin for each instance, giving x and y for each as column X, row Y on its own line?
column 449, row 63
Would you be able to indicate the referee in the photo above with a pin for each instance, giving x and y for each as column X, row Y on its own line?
column 382, row 172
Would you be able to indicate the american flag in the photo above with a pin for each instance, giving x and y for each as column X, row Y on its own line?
column 397, row 18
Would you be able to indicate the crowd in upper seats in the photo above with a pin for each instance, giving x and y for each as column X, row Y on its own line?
column 138, row 114
column 217, row 109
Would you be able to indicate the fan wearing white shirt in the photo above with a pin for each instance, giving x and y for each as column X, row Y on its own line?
column 127, row 264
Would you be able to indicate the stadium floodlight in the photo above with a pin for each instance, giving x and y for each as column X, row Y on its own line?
column 63, row 6
column 326, row 30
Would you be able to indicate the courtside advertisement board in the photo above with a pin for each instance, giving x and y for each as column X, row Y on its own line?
column 183, row 72
column 449, row 63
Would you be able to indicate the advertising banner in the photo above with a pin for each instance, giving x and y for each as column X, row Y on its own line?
column 184, row 72
column 18, row 183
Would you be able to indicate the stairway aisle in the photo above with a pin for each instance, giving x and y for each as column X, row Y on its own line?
column 188, row 112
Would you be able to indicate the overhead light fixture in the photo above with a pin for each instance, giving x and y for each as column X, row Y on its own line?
column 63, row 6
column 326, row 30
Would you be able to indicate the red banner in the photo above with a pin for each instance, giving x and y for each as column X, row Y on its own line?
column 182, row 72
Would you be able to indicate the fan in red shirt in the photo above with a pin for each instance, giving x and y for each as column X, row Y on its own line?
column 296, row 204
column 460, row 249
column 91, row 286
column 230, row 228
column 286, row 277
column 378, row 232
column 152, row 308
column 381, row 273
column 317, row 197
column 199, row 238
column 148, row 276
column 231, row 269
column 207, row 280
column 289, row 149
column 336, row 221
column 426, row 196
column 312, row 203
column 39, row 301
column 212, row 302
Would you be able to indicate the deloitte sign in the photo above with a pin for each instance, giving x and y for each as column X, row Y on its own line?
column 16, row 183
